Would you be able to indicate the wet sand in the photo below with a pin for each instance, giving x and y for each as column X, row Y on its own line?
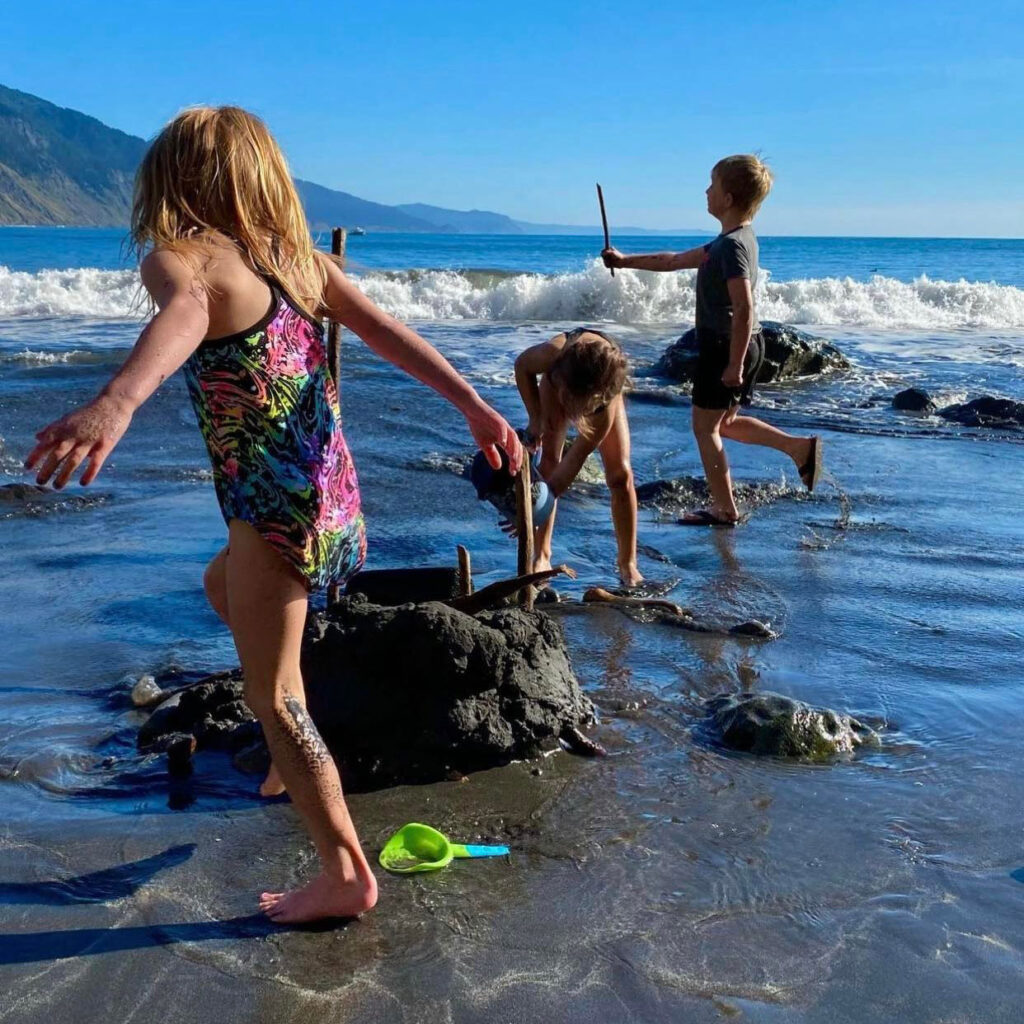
column 671, row 880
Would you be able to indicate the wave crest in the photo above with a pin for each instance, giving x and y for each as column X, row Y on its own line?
column 632, row 297
column 108, row 294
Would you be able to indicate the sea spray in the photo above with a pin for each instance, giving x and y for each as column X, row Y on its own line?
column 632, row 297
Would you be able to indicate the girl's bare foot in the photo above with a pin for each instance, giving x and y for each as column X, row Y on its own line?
column 541, row 563
column 630, row 575
column 325, row 896
column 273, row 784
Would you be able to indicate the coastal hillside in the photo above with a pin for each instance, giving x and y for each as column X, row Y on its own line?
column 58, row 166
column 62, row 167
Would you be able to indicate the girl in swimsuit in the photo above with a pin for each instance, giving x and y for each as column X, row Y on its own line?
column 228, row 261
column 578, row 377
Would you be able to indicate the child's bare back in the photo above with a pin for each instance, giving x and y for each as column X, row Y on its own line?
column 578, row 378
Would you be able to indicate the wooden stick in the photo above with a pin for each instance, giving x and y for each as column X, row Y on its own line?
column 338, row 236
column 465, row 572
column 604, row 222
column 490, row 596
column 524, row 526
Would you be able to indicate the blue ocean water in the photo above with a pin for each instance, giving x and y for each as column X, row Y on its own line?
column 679, row 880
column 999, row 261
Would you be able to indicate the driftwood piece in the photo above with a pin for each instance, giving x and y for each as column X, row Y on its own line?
column 465, row 572
column 524, row 526
column 599, row 594
column 338, row 236
column 494, row 594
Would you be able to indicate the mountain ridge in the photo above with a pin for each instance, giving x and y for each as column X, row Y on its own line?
column 62, row 167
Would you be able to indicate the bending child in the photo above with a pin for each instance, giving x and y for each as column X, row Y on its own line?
column 239, row 291
column 578, row 377
column 731, row 349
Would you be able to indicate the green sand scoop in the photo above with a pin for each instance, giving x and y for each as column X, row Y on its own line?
column 422, row 848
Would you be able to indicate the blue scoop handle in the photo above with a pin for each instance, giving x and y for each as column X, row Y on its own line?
column 479, row 851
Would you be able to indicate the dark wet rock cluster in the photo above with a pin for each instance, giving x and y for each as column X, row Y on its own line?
column 34, row 500
column 406, row 694
column 789, row 353
column 769, row 723
column 986, row 411
column 914, row 400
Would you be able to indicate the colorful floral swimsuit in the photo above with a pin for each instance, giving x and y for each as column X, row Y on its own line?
column 268, row 411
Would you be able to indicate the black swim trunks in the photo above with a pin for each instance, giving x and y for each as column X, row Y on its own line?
column 713, row 357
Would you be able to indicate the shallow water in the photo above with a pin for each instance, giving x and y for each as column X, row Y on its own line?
column 671, row 880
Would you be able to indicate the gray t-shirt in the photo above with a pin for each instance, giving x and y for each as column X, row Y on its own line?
column 732, row 254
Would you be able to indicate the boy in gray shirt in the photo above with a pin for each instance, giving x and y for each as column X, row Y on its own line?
column 730, row 347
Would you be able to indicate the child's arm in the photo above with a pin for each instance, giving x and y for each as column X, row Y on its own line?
column 404, row 348
column 92, row 430
column 530, row 365
column 561, row 477
column 742, row 300
column 688, row 260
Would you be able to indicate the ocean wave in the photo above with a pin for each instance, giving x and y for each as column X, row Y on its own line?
column 108, row 294
column 34, row 357
column 632, row 297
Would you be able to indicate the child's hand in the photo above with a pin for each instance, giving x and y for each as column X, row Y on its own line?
column 612, row 257
column 491, row 432
column 733, row 376
column 89, row 432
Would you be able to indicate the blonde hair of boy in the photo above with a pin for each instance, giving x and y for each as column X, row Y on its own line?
column 218, row 169
column 747, row 178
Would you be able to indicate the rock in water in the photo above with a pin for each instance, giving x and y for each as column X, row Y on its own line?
column 407, row 694
column 986, row 412
column 914, row 400
column 768, row 723
column 146, row 692
column 789, row 353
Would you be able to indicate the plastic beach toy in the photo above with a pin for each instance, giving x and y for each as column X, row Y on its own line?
column 417, row 847
column 498, row 487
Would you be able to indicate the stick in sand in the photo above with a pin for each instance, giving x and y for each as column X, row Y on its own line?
column 604, row 222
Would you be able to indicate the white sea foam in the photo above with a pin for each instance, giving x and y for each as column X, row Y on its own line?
column 32, row 357
column 109, row 294
column 631, row 297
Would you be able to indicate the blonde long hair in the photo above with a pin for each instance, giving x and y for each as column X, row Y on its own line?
column 218, row 169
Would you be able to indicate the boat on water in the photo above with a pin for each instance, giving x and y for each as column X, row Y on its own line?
column 358, row 231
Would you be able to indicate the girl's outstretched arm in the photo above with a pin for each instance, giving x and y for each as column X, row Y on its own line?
column 92, row 430
column 403, row 347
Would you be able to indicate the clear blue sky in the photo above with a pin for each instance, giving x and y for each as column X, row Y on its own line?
column 878, row 117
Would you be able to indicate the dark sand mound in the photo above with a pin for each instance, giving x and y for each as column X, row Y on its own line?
column 406, row 694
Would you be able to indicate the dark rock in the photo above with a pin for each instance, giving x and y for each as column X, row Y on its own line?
column 789, row 353
column 213, row 711
column 768, row 723
column 756, row 628
column 914, row 400
column 31, row 499
column 179, row 748
column 408, row 694
column 986, row 412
